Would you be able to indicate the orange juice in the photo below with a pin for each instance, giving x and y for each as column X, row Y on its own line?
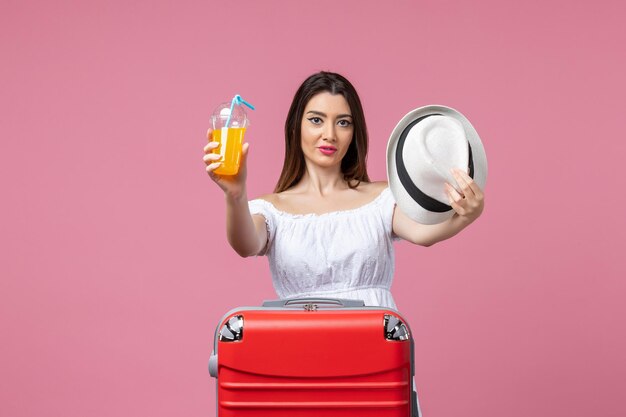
column 231, row 140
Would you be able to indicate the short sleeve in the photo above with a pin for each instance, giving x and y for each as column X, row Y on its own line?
column 388, row 209
column 263, row 208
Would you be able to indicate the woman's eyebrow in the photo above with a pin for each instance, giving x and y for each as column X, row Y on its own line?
column 319, row 113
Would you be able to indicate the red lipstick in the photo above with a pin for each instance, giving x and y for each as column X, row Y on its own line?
column 327, row 150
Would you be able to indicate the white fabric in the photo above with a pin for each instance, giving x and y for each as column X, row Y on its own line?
column 342, row 254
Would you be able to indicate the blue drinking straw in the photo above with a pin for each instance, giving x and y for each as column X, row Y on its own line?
column 238, row 101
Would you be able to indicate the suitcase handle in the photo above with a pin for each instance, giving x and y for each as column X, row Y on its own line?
column 340, row 302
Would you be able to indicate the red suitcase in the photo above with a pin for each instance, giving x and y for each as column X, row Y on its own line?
column 313, row 357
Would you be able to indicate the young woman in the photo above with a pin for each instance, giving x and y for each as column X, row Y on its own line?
column 327, row 230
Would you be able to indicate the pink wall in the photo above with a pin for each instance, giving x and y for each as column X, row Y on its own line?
column 114, row 265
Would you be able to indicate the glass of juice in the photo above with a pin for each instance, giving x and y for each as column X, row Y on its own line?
column 231, row 141
column 229, row 122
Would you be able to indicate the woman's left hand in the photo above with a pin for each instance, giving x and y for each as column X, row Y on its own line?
column 471, row 202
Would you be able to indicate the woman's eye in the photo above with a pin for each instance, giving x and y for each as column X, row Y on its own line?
column 344, row 123
column 315, row 120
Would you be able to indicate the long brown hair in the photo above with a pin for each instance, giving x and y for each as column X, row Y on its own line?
column 353, row 164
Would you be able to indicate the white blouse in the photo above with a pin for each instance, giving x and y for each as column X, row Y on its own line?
column 342, row 254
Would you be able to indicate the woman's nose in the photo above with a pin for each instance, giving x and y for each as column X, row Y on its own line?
column 329, row 132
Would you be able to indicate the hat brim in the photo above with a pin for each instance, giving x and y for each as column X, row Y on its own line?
column 405, row 202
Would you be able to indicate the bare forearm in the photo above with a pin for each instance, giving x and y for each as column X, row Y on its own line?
column 428, row 235
column 240, row 228
column 246, row 234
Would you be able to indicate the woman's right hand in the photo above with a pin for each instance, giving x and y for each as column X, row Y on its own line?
column 232, row 185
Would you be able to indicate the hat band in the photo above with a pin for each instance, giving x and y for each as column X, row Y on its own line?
column 426, row 201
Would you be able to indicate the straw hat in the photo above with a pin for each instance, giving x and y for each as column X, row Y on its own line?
column 425, row 145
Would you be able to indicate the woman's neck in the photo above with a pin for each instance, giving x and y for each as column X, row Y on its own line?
column 322, row 181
